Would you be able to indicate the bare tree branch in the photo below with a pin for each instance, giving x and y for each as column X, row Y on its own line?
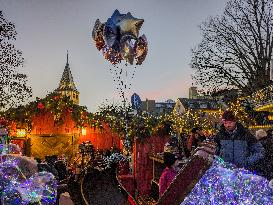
column 236, row 48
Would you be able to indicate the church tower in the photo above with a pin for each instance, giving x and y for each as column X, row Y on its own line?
column 67, row 86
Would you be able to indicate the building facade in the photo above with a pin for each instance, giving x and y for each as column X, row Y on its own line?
column 157, row 108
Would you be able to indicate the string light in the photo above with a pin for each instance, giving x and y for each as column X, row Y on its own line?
column 223, row 184
column 262, row 99
column 17, row 188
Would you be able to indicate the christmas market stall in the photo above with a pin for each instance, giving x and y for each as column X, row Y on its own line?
column 56, row 126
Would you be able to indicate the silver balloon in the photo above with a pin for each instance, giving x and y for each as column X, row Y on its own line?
column 97, row 34
column 127, row 52
column 130, row 26
column 141, row 49
column 115, row 38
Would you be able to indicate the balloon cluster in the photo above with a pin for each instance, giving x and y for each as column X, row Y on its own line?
column 119, row 39
column 21, row 184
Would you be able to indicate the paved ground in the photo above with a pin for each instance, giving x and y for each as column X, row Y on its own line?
column 99, row 188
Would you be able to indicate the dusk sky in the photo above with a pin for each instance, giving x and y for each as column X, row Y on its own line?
column 47, row 28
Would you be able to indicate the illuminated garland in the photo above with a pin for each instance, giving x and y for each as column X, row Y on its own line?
column 196, row 118
column 223, row 183
column 238, row 107
column 57, row 105
column 17, row 188
column 262, row 97
column 145, row 125
column 138, row 126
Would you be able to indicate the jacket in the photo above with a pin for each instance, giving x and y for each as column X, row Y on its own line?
column 166, row 178
column 240, row 148
column 264, row 167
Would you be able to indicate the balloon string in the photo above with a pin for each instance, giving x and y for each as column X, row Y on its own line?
column 122, row 80
column 116, row 77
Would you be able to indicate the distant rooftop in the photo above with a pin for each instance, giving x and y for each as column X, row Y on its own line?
column 199, row 103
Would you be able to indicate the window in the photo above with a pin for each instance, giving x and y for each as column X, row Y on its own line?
column 203, row 106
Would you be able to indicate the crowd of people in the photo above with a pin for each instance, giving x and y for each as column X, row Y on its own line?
column 234, row 143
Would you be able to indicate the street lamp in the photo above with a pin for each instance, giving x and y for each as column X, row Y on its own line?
column 84, row 131
column 21, row 132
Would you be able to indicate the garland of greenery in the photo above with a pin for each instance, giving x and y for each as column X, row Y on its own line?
column 58, row 105
column 139, row 126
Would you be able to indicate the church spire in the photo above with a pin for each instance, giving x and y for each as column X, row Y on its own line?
column 67, row 57
column 67, row 86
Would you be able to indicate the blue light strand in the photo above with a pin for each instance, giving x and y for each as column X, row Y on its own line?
column 224, row 184
column 17, row 189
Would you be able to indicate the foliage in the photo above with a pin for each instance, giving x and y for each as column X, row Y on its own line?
column 57, row 105
column 236, row 48
column 145, row 125
column 208, row 121
column 124, row 123
column 138, row 126
column 243, row 111
column 13, row 85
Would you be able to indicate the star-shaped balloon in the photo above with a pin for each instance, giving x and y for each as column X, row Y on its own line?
column 96, row 29
column 130, row 25
column 116, row 17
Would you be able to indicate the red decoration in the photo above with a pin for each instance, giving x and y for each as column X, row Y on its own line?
column 56, row 97
column 131, row 200
column 40, row 106
column 123, row 167
column 3, row 122
column 69, row 110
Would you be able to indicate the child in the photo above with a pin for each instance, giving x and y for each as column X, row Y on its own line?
column 168, row 173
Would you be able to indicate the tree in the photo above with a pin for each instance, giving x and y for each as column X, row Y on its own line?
column 13, row 85
column 236, row 48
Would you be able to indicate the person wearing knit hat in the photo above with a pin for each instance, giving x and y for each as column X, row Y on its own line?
column 235, row 144
column 229, row 116
column 260, row 134
column 229, row 120
column 264, row 167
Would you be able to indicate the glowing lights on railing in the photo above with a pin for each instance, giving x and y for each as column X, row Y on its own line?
column 261, row 126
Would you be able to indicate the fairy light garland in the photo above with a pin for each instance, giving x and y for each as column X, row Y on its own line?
column 223, row 184
column 17, row 189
